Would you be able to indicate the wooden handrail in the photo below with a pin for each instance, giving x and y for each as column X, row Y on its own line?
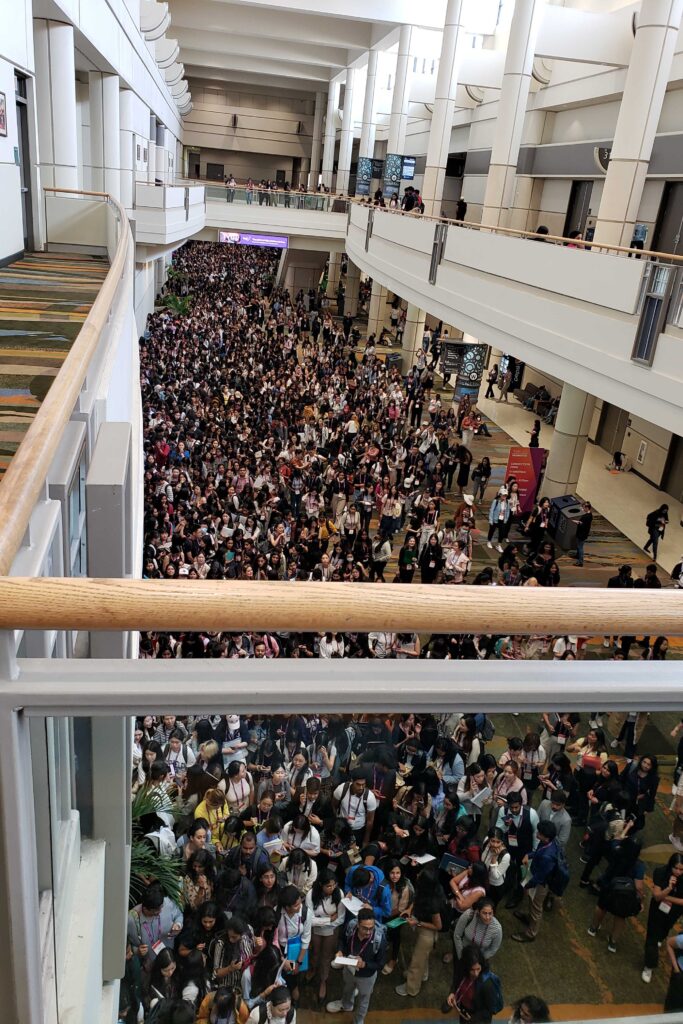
column 25, row 477
column 115, row 604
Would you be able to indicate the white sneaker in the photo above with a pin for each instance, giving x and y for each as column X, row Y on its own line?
column 614, row 744
column 592, row 723
column 336, row 1006
column 647, row 975
column 499, row 548
column 489, row 544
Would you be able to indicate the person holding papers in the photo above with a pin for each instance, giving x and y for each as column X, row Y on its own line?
column 519, row 824
column 363, row 951
column 366, row 883
column 328, row 916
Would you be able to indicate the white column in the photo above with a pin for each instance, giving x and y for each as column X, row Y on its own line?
column 352, row 288
column 412, row 335
column 160, row 160
column 444, row 110
column 330, row 134
column 333, row 275
column 316, row 146
column 346, row 140
column 127, row 144
column 398, row 120
column 514, row 94
column 105, row 143
column 56, row 103
column 657, row 25
column 378, row 308
column 152, row 150
column 369, row 126
column 574, row 415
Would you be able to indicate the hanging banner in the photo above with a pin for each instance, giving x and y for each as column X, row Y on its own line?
column 377, row 169
column 526, row 465
column 363, row 176
column 392, row 175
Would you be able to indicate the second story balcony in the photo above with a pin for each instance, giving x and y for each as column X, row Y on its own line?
column 168, row 214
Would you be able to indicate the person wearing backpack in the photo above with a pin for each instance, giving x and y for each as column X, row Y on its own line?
column 621, row 889
column 478, row 996
column 354, row 802
column 364, row 939
column 278, row 1008
column 547, row 872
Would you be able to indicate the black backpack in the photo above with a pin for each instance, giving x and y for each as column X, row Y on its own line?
column 622, row 896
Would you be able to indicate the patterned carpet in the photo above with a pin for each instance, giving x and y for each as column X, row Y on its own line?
column 44, row 299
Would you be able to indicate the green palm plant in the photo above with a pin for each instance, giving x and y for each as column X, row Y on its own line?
column 146, row 864
column 180, row 304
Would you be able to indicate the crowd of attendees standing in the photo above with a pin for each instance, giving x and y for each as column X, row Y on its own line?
column 274, row 451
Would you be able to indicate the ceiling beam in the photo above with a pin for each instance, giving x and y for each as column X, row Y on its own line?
column 256, row 46
column 271, row 81
column 426, row 15
column 213, row 61
column 284, row 25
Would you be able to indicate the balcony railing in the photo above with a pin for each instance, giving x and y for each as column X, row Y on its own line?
column 323, row 202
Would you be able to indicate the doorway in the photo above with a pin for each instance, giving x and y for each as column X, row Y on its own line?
column 21, row 97
column 579, row 207
column 673, row 474
column 193, row 165
column 669, row 227
column 612, row 428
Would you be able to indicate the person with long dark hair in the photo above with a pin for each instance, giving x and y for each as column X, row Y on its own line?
column 473, row 994
column 666, row 906
column 426, row 919
column 328, row 917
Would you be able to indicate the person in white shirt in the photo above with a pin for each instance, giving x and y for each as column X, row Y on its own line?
column 356, row 805
column 178, row 754
column 328, row 916
column 379, row 644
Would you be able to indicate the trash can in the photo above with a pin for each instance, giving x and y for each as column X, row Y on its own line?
column 393, row 359
column 556, row 506
column 567, row 521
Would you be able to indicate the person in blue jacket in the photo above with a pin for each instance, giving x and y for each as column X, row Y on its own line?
column 542, row 864
column 367, row 883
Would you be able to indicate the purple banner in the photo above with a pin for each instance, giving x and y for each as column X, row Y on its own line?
column 250, row 238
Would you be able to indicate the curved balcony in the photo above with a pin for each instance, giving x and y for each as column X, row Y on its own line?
column 573, row 314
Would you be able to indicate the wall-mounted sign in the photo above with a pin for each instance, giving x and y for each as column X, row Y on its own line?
column 408, row 168
column 251, row 238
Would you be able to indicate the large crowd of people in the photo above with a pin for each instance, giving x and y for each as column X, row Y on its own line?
column 276, row 451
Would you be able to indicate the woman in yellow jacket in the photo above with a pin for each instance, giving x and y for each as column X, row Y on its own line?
column 214, row 808
column 223, row 1004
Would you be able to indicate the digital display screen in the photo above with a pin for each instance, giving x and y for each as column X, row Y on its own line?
column 251, row 238
column 408, row 168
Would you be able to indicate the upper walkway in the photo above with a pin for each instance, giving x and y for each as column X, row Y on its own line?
column 573, row 313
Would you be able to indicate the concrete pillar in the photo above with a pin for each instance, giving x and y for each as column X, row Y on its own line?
column 161, row 153
column 352, row 288
column 574, row 415
column 105, row 142
column 127, row 144
column 152, row 150
column 378, row 309
column 412, row 336
column 303, row 173
column 56, row 103
column 657, row 25
column 444, row 110
column 330, row 134
column 346, row 140
column 316, row 145
column 369, row 125
column 334, row 274
column 398, row 120
column 514, row 94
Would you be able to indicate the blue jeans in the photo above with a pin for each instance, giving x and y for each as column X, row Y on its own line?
column 579, row 550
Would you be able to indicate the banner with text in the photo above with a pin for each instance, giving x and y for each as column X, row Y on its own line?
column 526, row 465
column 393, row 168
